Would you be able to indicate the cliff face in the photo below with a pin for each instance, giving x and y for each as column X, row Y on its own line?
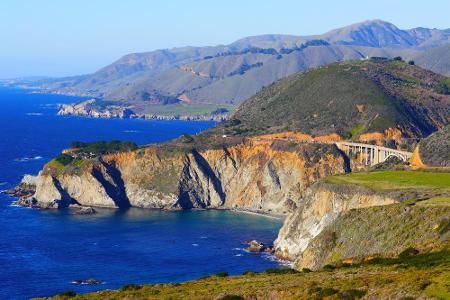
column 259, row 176
column 346, row 223
column 322, row 204
column 361, row 234
column 91, row 108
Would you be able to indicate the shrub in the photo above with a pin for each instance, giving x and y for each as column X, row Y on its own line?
column 320, row 293
column 187, row 138
column 68, row 294
column 281, row 271
column 249, row 273
column 398, row 58
column 103, row 147
column 64, row 159
column 234, row 122
column 221, row 274
column 441, row 88
column 306, row 270
column 329, row 267
column 408, row 252
column 444, row 226
column 411, row 62
column 131, row 287
column 231, row 297
column 353, row 294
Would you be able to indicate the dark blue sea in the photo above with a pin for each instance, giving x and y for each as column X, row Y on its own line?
column 41, row 252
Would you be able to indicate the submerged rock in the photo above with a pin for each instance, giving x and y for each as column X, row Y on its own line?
column 256, row 247
column 25, row 189
column 90, row 281
column 85, row 211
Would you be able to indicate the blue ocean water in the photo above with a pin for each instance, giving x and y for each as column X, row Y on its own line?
column 41, row 252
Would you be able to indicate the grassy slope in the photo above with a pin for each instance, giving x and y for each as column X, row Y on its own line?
column 392, row 180
column 425, row 275
column 324, row 100
column 383, row 231
column 435, row 149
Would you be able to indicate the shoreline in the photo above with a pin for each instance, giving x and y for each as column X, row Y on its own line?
column 97, row 114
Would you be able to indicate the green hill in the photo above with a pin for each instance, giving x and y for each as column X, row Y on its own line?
column 435, row 149
column 348, row 98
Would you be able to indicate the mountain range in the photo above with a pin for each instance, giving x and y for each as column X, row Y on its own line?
column 226, row 75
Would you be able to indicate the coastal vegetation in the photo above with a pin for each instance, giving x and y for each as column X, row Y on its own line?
column 102, row 147
column 395, row 179
column 410, row 275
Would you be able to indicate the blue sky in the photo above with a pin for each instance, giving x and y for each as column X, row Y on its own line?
column 68, row 37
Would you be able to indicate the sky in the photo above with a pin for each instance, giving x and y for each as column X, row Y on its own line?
column 72, row 37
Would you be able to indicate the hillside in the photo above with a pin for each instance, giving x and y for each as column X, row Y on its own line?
column 229, row 74
column 435, row 149
column 437, row 60
column 348, row 98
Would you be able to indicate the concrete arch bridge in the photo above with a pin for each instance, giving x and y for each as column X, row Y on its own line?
column 372, row 154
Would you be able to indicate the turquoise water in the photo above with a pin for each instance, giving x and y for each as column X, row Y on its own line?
column 41, row 252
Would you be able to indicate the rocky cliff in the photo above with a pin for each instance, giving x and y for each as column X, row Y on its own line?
column 322, row 204
column 255, row 175
column 335, row 224
column 96, row 109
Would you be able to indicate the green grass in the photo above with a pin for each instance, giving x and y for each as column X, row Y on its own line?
column 355, row 131
column 435, row 201
column 186, row 109
column 390, row 180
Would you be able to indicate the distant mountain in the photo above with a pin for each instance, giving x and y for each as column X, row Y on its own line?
column 229, row 74
column 437, row 60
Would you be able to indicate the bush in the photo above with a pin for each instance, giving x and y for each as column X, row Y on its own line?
column 353, row 294
column 187, row 138
column 329, row 267
column 231, row 297
column 281, row 271
column 249, row 273
column 131, row 287
column 64, row 159
column 398, row 58
column 221, row 274
column 103, row 147
column 306, row 270
column 408, row 252
column 68, row 294
column 322, row 292
column 441, row 88
column 411, row 62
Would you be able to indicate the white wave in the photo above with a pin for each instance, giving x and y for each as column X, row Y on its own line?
column 130, row 131
column 239, row 254
column 34, row 114
column 195, row 245
column 203, row 237
column 273, row 258
column 24, row 159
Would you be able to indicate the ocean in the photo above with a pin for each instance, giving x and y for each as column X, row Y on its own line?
column 43, row 251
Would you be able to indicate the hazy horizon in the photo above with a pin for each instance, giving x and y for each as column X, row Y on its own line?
column 54, row 38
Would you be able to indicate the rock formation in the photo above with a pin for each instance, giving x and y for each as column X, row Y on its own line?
column 257, row 176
